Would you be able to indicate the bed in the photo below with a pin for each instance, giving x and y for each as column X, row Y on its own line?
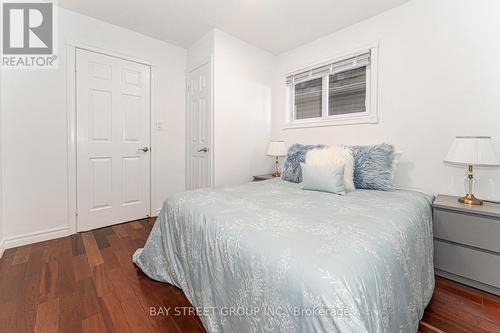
column 270, row 257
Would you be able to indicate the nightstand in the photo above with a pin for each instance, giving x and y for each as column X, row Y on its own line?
column 467, row 243
column 263, row 177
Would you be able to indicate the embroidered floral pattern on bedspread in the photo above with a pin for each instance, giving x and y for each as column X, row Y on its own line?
column 271, row 245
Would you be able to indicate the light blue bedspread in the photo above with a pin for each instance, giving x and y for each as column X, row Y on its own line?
column 270, row 257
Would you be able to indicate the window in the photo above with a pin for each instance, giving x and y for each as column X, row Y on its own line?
column 347, row 92
column 308, row 96
column 341, row 92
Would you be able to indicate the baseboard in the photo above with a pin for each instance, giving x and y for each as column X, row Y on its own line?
column 2, row 247
column 157, row 212
column 35, row 237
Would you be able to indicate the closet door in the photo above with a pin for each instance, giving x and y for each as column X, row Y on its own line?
column 199, row 128
column 113, row 140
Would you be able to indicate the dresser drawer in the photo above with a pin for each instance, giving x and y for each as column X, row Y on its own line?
column 473, row 230
column 473, row 264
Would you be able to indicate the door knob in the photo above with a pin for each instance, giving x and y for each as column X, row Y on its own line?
column 143, row 149
column 203, row 150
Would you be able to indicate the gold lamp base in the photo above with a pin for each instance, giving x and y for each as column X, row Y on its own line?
column 276, row 172
column 470, row 199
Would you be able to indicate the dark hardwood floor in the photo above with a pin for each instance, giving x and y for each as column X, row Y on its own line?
column 87, row 283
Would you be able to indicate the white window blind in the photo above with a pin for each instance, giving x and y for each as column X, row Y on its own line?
column 360, row 60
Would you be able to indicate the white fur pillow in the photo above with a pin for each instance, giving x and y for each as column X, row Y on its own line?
column 334, row 156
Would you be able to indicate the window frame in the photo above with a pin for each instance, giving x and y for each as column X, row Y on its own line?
column 370, row 116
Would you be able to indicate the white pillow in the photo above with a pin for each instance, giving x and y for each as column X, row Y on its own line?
column 334, row 156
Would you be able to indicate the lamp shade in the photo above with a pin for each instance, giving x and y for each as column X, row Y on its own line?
column 276, row 148
column 472, row 150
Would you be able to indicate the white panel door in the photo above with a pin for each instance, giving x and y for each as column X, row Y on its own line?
column 113, row 140
column 199, row 128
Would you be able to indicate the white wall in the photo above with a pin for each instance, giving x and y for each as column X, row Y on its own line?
column 438, row 78
column 34, row 128
column 201, row 50
column 243, row 76
column 1, row 174
column 242, row 79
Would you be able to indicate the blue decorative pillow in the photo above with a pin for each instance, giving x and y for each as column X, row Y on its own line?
column 373, row 167
column 296, row 155
column 323, row 178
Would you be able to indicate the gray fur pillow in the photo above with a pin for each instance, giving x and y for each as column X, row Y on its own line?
column 373, row 167
column 292, row 171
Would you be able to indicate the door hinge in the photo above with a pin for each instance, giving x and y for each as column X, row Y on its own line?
column 76, row 212
column 189, row 88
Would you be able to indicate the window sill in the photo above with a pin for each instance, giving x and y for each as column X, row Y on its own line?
column 331, row 122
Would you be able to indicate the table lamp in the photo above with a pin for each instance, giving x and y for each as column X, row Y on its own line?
column 472, row 151
column 276, row 149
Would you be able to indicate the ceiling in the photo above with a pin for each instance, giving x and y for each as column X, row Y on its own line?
column 273, row 25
